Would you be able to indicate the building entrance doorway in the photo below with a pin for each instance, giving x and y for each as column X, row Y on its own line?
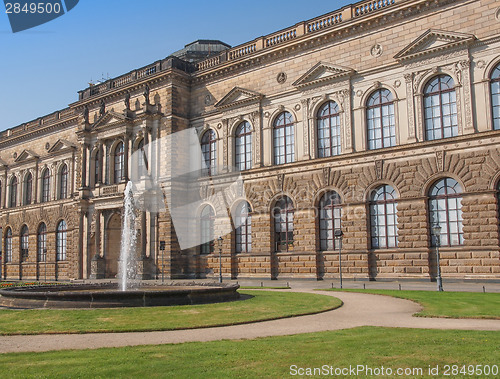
column 113, row 239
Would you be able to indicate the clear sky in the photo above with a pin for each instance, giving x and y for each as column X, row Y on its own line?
column 41, row 69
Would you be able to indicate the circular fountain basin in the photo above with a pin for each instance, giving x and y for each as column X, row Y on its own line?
column 108, row 296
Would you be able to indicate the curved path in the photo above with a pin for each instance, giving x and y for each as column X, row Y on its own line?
column 358, row 310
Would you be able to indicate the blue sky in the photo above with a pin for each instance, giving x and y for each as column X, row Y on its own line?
column 43, row 68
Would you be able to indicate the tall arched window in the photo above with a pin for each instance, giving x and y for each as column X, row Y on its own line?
column 8, row 245
column 28, row 189
column 283, row 224
column 243, row 232
column 380, row 119
column 207, row 229
column 97, row 167
column 24, row 246
column 328, row 130
column 42, row 243
column 13, row 193
column 119, row 162
column 63, row 182
column 445, row 210
column 383, row 218
column 330, row 213
column 495, row 96
column 284, row 140
column 45, row 185
column 440, row 108
column 141, row 160
column 209, row 152
column 243, row 144
column 61, row 240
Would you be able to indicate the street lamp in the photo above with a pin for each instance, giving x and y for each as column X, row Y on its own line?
column 338, row 236
column 436, row 230
column 219, row 243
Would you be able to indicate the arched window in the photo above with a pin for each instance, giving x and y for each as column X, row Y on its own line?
column 380, row 119
column 13, row 193
column 63, row 182
column 42, row 243
column 495, row 96
column 209, row 152
column 440, row 108
column 283, row 224
column 8, row 245
column 97, row 167
column 330, row 214
column 207, row 229
column 61, row 239
column 141, row 159
column 328, row 130
column 45, row 185
column 243, row 144
column 119, row 162
column 383, row 218
column 445, row 207
column 28, row 189
column 284, row 140
column 243, row 232
column 24, row 246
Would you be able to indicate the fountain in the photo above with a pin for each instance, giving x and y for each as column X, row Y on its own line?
column 128, row 292
column 128, row 256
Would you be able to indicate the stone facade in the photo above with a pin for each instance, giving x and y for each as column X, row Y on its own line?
column 345, row 57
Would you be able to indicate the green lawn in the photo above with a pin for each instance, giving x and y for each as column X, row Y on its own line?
column 448, row 304
column 264, row 305
column 268, row 357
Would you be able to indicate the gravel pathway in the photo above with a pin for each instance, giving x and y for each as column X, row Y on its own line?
column 358, row 310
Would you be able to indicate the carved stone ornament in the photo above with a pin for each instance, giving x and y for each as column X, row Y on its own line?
column 281, row 181
column 359, row 93
column 281, row 78
column 47, row 146
column 208, row 99
column 440, row 160
column 379, row 166
column 326, row 176
column 480, row 63
column 297, row 107
column 497, row 14
column 266, row 114
column 397, row 83
column 376, row 50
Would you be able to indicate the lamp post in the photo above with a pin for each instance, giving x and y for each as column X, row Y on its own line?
column 338, row 236
column 219, row 243
column 436, row 230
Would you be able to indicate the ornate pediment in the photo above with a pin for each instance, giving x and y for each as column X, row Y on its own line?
column 323, row 72
column 26, row 155
column 238, row 97
column 110, row 118
column 432, row 41
column 61, row 145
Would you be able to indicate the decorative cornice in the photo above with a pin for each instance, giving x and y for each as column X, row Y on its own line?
column 420, row 46
column 317, row 75
column 238, row 97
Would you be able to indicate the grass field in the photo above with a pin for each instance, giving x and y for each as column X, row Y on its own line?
column 268, row 357
column 448, row 304
column 264, row 305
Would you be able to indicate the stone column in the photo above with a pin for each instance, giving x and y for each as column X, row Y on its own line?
column 412, row 135
column 256, row 118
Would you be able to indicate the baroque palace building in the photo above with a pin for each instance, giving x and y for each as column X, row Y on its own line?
column 381, row 119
